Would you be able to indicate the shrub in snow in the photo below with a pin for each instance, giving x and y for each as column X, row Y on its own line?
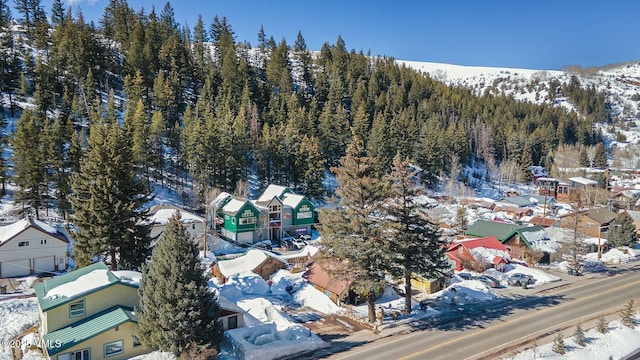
column 558, row 345
column 602, row 325
column 578, row 336
column 626, row 315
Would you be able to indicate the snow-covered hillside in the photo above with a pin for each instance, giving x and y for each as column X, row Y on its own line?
column 620, row 83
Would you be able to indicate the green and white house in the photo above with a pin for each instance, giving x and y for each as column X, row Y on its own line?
column 89, row 314
column 276, row 214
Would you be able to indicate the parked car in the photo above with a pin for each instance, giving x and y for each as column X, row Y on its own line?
column 287, row 243
column 299, row 243
column 490, row 281
column 518, row 279
column 262, row 246
column 306, row 238
column 465, row 275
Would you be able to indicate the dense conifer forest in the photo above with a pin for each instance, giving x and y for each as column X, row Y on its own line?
column 197, row 109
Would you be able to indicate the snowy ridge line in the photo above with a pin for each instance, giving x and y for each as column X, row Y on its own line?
column 521, row 342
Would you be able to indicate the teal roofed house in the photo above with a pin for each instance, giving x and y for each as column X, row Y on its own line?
column 88, row 314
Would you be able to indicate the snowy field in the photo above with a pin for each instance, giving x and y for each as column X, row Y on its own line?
column 617, row 343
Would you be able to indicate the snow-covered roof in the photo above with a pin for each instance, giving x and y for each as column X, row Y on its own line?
column 9, row 231
column 271, row 191
column 583, row 181
column 233, row 206
column 292, row 199
column 489, row 255
column 90, row 281
column 221, row 198
column 540, row 240
column 129, row 277
column 162, row 216
column 247, row 262
column 308, row 250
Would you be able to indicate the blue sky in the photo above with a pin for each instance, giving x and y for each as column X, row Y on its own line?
column 535, row 34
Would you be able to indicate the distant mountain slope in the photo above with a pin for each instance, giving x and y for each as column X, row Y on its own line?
column 620, row 84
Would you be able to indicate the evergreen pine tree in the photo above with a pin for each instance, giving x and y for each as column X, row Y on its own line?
column 29, row 162
column 415, row 246
column 600, row 156
column 107, row 200
column 602, row 325
column 578, row 336
column 177, row 307
column 627, row 315
column 622, row 231
column 559, row 346
column 352, row 240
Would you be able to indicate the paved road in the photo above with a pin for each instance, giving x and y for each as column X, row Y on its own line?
column 483, row 333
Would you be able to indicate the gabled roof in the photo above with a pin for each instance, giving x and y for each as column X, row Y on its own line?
column 265, row 204
column 75, row 284
column 583, row 181
column 546, row 222
column 520, row 200
column 484, row 228
column 488, row 249
column 234, row 205
column 538, row 239
column 10, row 231
column 273, row 190
column 221, row 199
column 248, row 261
column 601, row 215
column 490, row 242
column 160, row 214
column 292, row 200
column 318, row 275
column 228, row 305
column 83, row 330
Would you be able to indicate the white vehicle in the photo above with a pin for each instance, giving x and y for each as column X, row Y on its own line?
column 299, row 243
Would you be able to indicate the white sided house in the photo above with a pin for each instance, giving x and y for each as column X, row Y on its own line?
column 159, row 216
column 29, row 247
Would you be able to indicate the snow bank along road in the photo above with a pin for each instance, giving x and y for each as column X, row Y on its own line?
column 492, row 330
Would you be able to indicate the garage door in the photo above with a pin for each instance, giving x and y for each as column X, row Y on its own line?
column 44, row 264
column 245, row 237
column 15, row 268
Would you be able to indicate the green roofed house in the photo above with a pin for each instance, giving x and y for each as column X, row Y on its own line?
column 528, row 243
column 277, row 213
column 88, row 314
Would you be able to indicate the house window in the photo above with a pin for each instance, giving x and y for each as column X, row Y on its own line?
column 233, row 322
column 590, row 224
column 76, row 309
column 274, row 208
column 23, row 243
column 43, row 242
column 233, row 221
column 305, row 215
column 135, row 340
column 113, row 348
column 249, row 220
column 76, row 355
column 193, row 226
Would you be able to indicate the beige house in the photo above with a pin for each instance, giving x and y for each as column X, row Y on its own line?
column 29, row 247
column 88, row 314
column 159, row 216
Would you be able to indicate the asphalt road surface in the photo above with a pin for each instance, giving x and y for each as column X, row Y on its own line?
column 486, row 332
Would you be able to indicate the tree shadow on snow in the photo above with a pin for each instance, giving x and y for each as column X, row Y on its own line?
column 453, row 318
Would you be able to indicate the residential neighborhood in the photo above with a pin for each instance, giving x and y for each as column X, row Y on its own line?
column 189, row 181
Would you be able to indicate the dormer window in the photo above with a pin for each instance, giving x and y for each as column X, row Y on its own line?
column 76, row 309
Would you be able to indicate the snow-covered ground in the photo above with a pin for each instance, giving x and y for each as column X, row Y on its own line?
column 617, row 343
column 16, row 315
